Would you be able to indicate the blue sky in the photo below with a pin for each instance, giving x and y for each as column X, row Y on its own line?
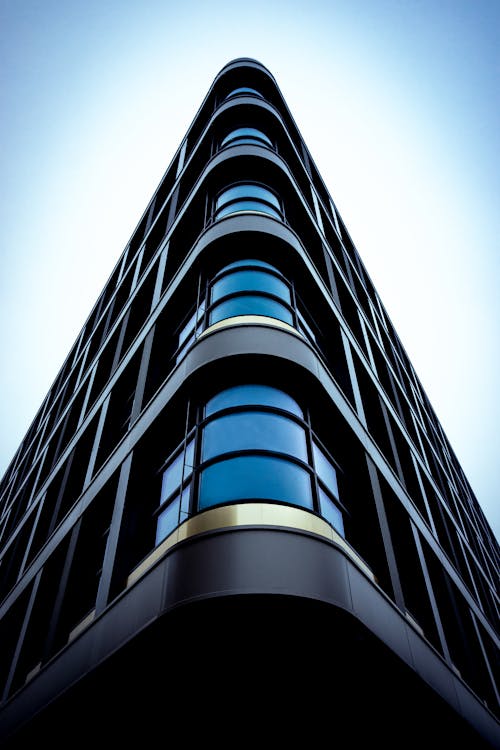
column 398, row 102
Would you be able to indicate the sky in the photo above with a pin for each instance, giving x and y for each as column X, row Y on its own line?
column 398, row 102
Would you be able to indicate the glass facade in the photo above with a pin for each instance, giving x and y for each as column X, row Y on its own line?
column 246, row 136
column 245, row 287
column 253, row 444
column 247, row 197
column 254, row 477
column 252, row 395
column 257, row 290
column 243, row 91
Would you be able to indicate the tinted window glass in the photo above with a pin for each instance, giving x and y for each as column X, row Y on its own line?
column 254, row 394
column 248, row 205
column 243, row 90
column 167, row 520
column 250, row 305
column 172, row 476
column 330, row 511
column 246, row 135
column 189, row 463
column 174, row 513
column 251, row 280
column 254, row 430
column 254, row 477
column 325, row 471
column 188, row 328
column 247, row 191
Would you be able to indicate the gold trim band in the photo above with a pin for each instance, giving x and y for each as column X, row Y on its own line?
column 237, row 320
column 248, row 514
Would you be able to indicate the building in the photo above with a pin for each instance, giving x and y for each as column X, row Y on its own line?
column 236, row 501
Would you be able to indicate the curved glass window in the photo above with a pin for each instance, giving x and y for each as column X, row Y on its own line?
column 250, row 305
column 250, row 291
column 252, row 395
column 254, row 478
column 247, row 191
column 252, row 443
column 242, row 90
column 247, row 197
column 241, row 136
column 253, row 430
column 257, row 434
column 238, row 281
column 246, row 205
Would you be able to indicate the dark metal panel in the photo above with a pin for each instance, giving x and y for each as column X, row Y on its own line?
column 123, row 621
column 376, row 611
column 263, row 561
column 237, row 563
column 486, row 724
column 431, row 668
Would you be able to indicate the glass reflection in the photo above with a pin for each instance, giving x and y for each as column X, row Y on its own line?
column 254, row 477
column 252, row 394
column 254, row 430
column 250, row 280
column 250, row 305
column 246, row 136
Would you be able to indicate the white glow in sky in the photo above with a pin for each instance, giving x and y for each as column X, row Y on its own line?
column 398, row 102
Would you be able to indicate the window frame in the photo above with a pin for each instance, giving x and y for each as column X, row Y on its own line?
column 211, row 306
column 192, row 480
column 243, row 91
column 261, row 139
column 274, row 211
column 198, row 315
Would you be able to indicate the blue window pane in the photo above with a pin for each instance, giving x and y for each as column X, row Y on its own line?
column 254, row 477
column 187, row 342
column 187, row 331
column 246, row 191
column 248, row 205
column 330, row 512
column 250, row 280
column 250, row 305
column 253, row 430
column 250, row 395
column 189, row 462
column 325, row 470
column 184, row 511
column 246, row 135
column 243, row 90
column 172, row 477
column 168, row 520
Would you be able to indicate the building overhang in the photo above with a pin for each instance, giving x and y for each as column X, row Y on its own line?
column 224, row 587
